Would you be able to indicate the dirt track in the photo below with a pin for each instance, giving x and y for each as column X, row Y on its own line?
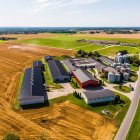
column 74, row 126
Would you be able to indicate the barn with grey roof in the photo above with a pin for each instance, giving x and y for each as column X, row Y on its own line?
column 58, row 72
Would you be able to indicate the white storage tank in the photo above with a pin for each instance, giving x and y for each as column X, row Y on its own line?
column 114, row 65
column 126, row 76
column 118, row 64
column 111, row 77
column 118, row 77
column 128, row 70
column 127, row 64
column 123, row 70
column 120, row 59
column 118, row 68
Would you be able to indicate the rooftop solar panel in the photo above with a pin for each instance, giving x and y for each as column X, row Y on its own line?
column 26, row 84
column 37, row 84
column 53, row 69
column 37, row 64
column 61, row 68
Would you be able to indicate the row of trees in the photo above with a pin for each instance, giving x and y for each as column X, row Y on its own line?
column 135, row 60
column 82, row 53
column 77, row 95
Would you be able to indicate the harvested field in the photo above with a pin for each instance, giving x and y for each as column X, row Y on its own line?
column 104, row 35
column 65, row 120
column 12, row 64
column 29, row 36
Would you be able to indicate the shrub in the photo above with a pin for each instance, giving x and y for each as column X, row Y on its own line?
column 11, row 136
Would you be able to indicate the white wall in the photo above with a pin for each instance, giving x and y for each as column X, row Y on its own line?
column 31, row 101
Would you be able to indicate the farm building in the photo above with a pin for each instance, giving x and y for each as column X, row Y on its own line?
column 47, row 58
column 107, row 60
column 98, row 65
column 109, row 69
column 82, row 63
column 58, row 72
column 32, row 89
column 84, row 78
column 69, row 65
column 38, row 64
column 98, row 96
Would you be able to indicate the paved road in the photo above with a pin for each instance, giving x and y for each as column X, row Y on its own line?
column 123, row 131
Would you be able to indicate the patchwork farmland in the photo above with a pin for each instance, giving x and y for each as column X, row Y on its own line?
column 71, row 42
column 54, row 120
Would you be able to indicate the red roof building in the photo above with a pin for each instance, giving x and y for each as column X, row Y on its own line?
column 85, row 79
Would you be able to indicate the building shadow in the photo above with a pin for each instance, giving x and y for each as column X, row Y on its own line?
column 94, row 88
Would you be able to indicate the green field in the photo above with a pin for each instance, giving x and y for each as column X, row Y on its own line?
column 115, row 49
column 63, row 41
column 71, row 42
column 124, row 89
column 16, row 105
column 1, row 41
column 134, row 68
column 117, row 111
column 134, row 133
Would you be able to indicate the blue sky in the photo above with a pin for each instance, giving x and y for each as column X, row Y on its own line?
column 60, row 13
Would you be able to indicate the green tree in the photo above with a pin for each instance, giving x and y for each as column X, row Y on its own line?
column 11, row 136
column 96, row 54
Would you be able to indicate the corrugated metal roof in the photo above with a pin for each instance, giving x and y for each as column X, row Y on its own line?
column 69, row 65
column 57, row 69
column 83, row 75
column 106, row 60
column 94, row 94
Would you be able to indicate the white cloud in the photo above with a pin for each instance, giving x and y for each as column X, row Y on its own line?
column 39, row 5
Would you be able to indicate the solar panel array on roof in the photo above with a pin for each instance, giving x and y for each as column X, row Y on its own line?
column 61, row 68
column 26, row 84
column 37, row 64
column 53, row 69
column 32, row 89
column 37, row 83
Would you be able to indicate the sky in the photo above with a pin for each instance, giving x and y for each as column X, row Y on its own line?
column 69, row 13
